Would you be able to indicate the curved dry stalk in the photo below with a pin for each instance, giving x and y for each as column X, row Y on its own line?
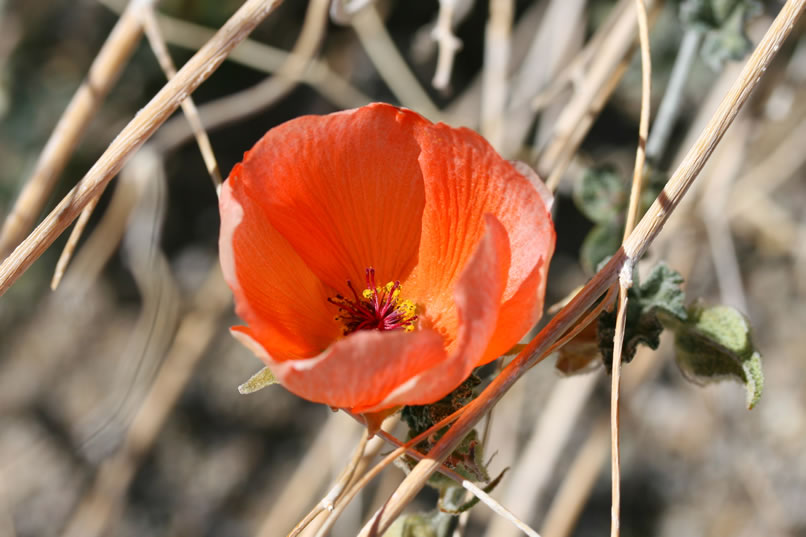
column 604, row 304
column 103, row 73
column 72, row 242
column 408, row 449
column 615, row 46
column 448, row 44
column 635, row 245
column 192, row 338
column 160, row 49
column 289, row 72
column 333, row 495
column 643, row 127
column 495, row 73
column 625, row 276
column 139, row 129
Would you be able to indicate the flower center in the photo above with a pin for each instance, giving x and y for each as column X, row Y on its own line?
column 376, row 308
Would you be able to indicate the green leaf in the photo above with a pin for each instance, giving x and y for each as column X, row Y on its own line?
column 258, row 381
column 468, row 457
column 412, row 525
column 724, row 23
column 658, row 297
column 600, row 243
column 714, row 344
column 601, row 195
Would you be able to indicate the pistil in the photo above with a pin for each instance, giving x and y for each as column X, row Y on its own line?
column 376, row 308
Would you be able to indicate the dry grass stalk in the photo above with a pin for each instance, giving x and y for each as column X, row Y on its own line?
column 581, row 114
column 494, row 88
column 625, row 275
column 635, row 245
column 103, row 73
column 391, row 66
column 160, row 49
column 615, row 45
column 289, row 69
column 72, row 242
column 139, row 129
column 448, row 44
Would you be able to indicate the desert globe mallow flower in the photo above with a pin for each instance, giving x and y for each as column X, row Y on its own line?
column 378, row 258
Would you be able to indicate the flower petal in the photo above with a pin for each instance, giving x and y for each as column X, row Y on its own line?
column 369, row 371
column 464, row 180
column 359, row 371
column 283, row 302
column 345, row 190
column 478, row 297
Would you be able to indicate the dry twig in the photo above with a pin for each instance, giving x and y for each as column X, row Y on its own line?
column 625, row 275
column 103, row 73
column 139, row 129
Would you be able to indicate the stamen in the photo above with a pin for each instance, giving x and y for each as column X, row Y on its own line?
column 376, row 308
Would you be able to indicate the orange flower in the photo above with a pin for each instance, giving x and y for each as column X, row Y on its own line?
column 325, row 210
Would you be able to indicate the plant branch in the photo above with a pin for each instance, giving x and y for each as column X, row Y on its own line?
column 103, row 73
column 139, row 129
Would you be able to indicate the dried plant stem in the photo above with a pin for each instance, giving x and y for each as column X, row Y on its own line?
column 269, row 528
column 685, row 174
column 254, row 55
column 103, row 73
column 494, row 88
column 615, row 46
column 448, row 44
column 635, row 245
column 615, row 386
column 390, row 64
column 72, row 242
column 625, row 276
column 643, row 127
column 290, row 70
column 160, row 49
column 139, row 129
column 669, row 108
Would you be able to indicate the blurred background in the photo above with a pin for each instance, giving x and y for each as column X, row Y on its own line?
column 119, row 409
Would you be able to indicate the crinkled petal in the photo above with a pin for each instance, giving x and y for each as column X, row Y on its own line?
column 345, row 190
column 464, row 180
column 283, row 302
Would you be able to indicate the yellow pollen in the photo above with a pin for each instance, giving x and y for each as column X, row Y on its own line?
column 375, row 308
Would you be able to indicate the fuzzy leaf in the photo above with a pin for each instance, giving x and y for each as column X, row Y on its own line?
column 659, row 296
column 714, row 344
column 258, row 381
column 600, row 243
column 412, row 525
column 724, row 24
column 601, row 195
